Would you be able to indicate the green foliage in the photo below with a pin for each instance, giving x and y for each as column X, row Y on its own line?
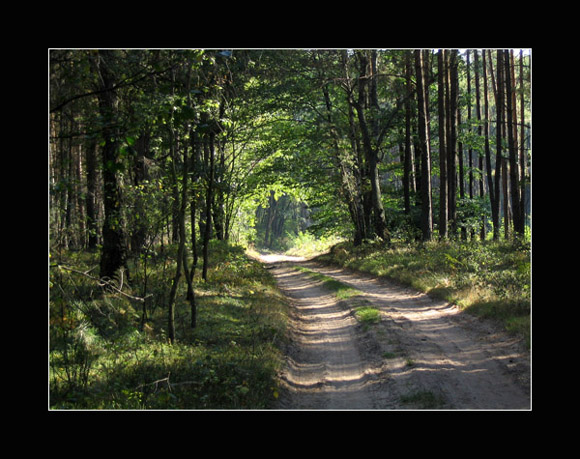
column 102, row 356
column 471, row 211
column 367, row 314
column 274, row 130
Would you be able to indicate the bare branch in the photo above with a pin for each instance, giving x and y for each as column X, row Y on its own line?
column 102, row 282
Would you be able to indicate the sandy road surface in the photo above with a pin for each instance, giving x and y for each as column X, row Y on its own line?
column 423, row 354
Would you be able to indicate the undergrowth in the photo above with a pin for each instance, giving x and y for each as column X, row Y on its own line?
column 490, row 279
column 103, row 355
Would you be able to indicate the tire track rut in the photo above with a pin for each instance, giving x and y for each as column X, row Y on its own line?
column 423, row 354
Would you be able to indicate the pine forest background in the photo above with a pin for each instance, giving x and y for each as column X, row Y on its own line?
column 159, row 159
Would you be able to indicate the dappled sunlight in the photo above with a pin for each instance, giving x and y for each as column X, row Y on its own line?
column 327, row 369
column 426, row 351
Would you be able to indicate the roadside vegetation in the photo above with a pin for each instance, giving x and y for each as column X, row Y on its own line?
column 104, row 355
column 489, row 279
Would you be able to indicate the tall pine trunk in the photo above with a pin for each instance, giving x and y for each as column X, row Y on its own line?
column 423, row 129
column 408, row 159
column 441, row 72
column 498, row 158
column 494, row 199
column 470, row 148
column 479, row 133
column 452, row 142
column 522, row 151
column 512, row 143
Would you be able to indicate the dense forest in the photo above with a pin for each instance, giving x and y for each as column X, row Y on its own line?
column 160, row 159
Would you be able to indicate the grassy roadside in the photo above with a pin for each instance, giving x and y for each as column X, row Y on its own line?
column 490, row 279
column 103, row 357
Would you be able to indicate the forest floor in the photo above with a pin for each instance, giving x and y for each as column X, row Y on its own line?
column 420, row 353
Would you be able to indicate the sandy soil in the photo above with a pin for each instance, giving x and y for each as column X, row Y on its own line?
column 423, row 354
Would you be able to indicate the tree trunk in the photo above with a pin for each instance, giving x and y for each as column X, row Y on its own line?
column 441, row 56
column 349, row 188
column 470, row 148
column 210, row 152
column 91, row 162
column 407, row 163
column 379, row 220
column 218, row 211
column 498, row 158
column 522, row 151
column 479, row 133
column 360, row 208
column 366, row 75
column 424, row 144
column 114, row 252
column 494, row 199
column 140, row 223
column 452, row 142
column 512, row 144
column 182, row 239
column 461, row 173
column 196, row 146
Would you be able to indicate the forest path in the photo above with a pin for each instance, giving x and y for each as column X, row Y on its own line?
column 424, row 353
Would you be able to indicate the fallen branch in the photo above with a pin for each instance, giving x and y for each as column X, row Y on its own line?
column 170, row 385
column 156, row 383
column 102, row 282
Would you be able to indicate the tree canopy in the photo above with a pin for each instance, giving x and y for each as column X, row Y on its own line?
column 180, row 147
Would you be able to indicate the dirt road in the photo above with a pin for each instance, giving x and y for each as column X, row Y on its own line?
column 423, row 354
